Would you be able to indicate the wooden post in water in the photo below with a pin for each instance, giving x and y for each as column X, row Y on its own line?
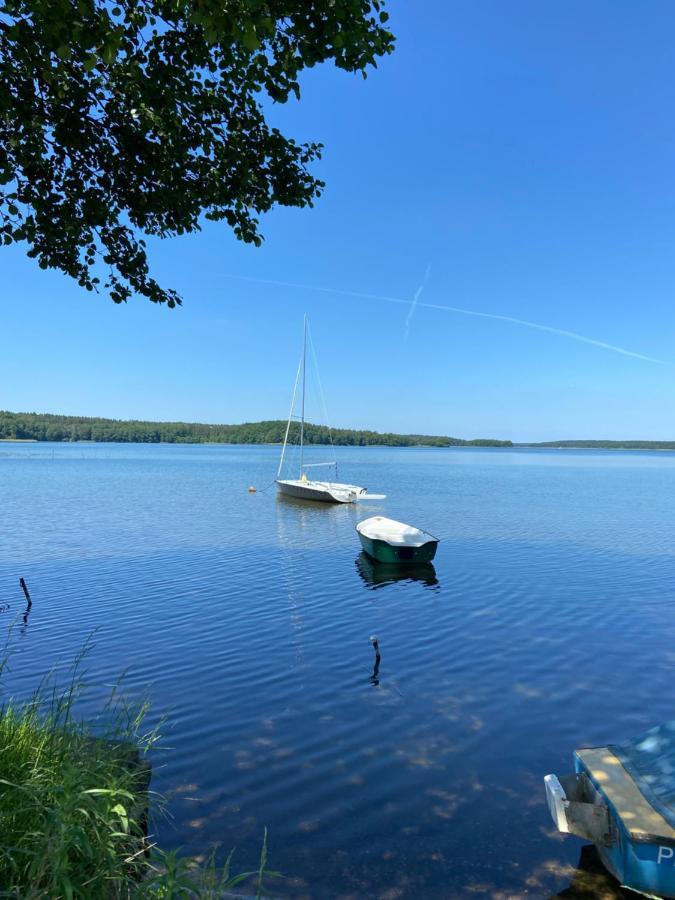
column 25, row 590
column 375, row 641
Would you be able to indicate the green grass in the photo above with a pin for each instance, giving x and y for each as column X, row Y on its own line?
column 73, row 808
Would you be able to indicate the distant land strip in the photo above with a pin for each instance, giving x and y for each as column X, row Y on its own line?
column 45, row 427
column 603, row 445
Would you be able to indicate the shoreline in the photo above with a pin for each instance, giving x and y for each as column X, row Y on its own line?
column 350, row 446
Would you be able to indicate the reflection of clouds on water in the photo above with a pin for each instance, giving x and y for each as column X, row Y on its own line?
column 527, row 690
column 552, row 879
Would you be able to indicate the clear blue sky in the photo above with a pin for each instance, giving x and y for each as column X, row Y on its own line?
column 524, row 151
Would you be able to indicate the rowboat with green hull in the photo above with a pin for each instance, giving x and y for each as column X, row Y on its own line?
column 389, row 541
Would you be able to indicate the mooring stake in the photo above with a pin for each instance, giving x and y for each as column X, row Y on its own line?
column 25, row 590
column 374, row 678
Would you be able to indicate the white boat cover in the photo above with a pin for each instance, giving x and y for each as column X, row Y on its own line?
column 398, row 534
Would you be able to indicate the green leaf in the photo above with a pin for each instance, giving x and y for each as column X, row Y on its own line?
column 109, row 52
column 124, row 818
column 66, row 887
column 250, row 38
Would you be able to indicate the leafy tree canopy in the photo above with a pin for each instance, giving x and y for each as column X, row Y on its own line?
column 140, row 117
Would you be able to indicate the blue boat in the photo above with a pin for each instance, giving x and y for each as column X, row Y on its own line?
column 622, row 798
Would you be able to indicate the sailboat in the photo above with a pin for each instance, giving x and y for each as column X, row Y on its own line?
column 306, row 488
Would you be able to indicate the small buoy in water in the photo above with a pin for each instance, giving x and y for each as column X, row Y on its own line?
column 252, row 489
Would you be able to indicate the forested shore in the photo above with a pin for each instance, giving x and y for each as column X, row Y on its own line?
column 46, row 427
column 603, row 445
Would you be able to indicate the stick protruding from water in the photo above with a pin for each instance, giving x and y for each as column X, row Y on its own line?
column 375, row 641
column 25, row 591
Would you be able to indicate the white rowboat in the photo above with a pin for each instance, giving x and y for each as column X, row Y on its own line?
column 389, row 541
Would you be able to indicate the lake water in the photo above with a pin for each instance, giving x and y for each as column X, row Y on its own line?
column 548, row 624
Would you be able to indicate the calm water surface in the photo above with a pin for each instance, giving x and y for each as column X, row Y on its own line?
column 548, row 623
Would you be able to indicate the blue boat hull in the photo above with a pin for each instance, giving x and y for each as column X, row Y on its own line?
column 645, row 866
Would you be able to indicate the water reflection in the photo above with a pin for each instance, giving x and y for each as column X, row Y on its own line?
column 305, row 503
column 393, row 790
column 303, row 520
column 377, row 574
column 592, row 881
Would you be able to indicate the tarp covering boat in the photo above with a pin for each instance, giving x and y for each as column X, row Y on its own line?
column 650, row 760
column 379, row 528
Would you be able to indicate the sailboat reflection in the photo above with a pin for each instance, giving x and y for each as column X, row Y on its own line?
column 592, row 880
column 302, row 503
column 377, row 574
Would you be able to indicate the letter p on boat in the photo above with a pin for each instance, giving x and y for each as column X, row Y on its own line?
column 664, row 853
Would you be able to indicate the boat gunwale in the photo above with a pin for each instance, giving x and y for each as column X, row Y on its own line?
column 431, row 538
column 636, row 836
column 324, row 485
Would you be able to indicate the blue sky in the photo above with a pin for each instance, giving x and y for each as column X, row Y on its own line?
column 522, row 153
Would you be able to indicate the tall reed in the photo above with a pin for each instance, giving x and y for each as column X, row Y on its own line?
column 73, row 807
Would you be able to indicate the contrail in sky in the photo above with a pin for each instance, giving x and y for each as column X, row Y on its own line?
column 413, row 306
column 455, row 309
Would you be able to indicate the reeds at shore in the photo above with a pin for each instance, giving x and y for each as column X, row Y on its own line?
column 75, row 807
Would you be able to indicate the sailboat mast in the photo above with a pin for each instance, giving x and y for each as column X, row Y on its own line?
column 302, row 419
column 290, row 416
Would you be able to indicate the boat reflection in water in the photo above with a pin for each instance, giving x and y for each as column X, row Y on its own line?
column 377, row 574
column 592, row 881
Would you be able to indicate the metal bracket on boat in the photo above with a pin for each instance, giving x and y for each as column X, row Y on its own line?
column 577, row 808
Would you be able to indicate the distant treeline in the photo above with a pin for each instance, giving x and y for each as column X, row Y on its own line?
column 606, row 445
column 43, row 427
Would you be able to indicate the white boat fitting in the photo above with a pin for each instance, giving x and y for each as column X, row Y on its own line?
column 305, row 488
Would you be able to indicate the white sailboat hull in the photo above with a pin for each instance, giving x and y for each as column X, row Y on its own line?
column 323, row 491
